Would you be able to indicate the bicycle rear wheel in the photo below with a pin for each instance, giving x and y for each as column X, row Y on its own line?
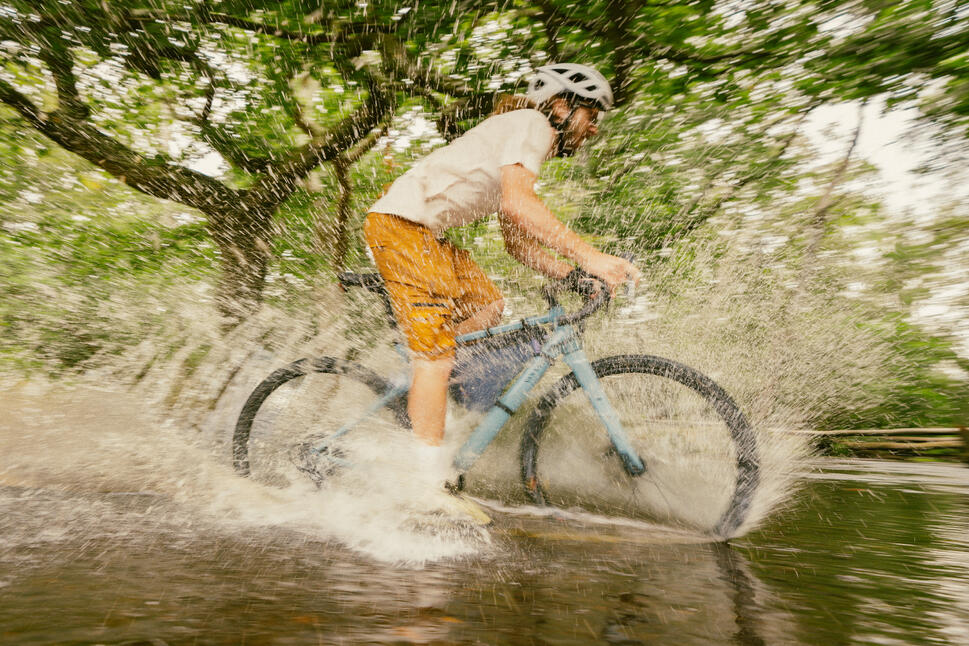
column 700, row 452
column 302, row 403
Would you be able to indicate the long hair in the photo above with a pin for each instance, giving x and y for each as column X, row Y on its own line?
column 511, row 102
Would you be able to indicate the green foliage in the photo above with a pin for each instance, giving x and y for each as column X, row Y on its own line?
column 75, row 248
column 706, row 139
column 922, row 393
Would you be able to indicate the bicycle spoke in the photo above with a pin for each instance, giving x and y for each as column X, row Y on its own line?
column 298, row 421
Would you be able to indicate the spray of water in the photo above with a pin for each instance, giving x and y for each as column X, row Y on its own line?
column 162, row 417
column 101, row 442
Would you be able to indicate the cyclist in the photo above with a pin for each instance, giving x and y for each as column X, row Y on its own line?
column 436, row 290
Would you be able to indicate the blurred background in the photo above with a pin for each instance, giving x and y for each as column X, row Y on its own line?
column 792, row 176
column 180, row 181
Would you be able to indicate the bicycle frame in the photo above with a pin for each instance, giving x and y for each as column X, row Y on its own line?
column 564, row 342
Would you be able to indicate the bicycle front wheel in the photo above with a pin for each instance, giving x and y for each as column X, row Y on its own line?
column 702, row 466
column 303, row 402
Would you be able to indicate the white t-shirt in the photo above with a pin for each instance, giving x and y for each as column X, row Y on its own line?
column 461, row 182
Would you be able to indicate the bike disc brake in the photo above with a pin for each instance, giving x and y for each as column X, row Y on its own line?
column 316, row 458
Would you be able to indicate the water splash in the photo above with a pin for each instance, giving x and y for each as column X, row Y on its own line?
column 186, row 384
column 86, row 441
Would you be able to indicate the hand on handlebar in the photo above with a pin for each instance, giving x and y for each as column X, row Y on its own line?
column 612, row 270
column 582, row 283
column 596, row 290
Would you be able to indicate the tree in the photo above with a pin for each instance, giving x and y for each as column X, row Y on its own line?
column 102, row 79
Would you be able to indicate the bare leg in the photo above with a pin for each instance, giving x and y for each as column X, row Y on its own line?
column 487, row 316
column 427, row 401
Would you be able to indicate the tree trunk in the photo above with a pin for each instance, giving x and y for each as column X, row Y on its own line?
column 244, row 242
column 342, row 244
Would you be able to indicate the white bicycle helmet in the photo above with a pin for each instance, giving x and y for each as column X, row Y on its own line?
column 570, row 78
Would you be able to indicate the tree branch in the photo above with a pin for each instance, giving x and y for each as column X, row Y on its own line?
column 692, row 223
column 282, row 177
column 824, row 204
column 154, row 177
column 561, row 19
column 343, row 213
column 60, row 63
column 259, row 28
column 659, row 50
column 341, row 166
column 555, row 19
column 399, row 63
column 354, row 154
column 224, row 143
column 202, row 14
column 622, row 58
column 473, row 107
column 820, row 217
column 827, row 201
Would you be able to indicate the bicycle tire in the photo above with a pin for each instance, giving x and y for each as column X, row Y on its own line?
column 242, row 437
column 741, row 435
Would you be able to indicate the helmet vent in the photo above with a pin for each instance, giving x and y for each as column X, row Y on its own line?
column 579, row 81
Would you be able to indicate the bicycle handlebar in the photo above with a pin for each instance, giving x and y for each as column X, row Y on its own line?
column 596, row 298
column 592, row 305
column 594, row 301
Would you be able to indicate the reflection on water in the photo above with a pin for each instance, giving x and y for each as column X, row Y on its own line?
column 111, row 532
column 875, row 552
column 856, row 560
column 548, row 582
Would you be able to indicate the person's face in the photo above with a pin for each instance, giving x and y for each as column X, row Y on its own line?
column 582, row 126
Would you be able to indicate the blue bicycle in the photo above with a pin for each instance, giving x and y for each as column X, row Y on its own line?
column 495, row 371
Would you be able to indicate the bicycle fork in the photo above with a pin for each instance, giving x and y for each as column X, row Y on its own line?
column 562, row 342
column 590, row 383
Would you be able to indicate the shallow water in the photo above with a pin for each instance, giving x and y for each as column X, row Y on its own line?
column 136, row 547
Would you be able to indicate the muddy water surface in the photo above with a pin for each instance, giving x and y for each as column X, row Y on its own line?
column 117, row 550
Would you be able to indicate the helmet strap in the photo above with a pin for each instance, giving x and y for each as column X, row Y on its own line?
column 562, row 126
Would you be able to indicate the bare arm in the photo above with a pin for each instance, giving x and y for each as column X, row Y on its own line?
column 522, row 209
column 527, row 250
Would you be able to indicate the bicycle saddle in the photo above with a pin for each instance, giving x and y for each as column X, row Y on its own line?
column 372, row 282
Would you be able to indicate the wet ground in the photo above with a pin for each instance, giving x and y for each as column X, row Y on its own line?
column 113, row 533
column 871, row 552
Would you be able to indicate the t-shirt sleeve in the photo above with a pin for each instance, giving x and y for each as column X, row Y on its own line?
column 526, row 140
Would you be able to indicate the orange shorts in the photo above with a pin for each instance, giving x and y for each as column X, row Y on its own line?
column 433, row 285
